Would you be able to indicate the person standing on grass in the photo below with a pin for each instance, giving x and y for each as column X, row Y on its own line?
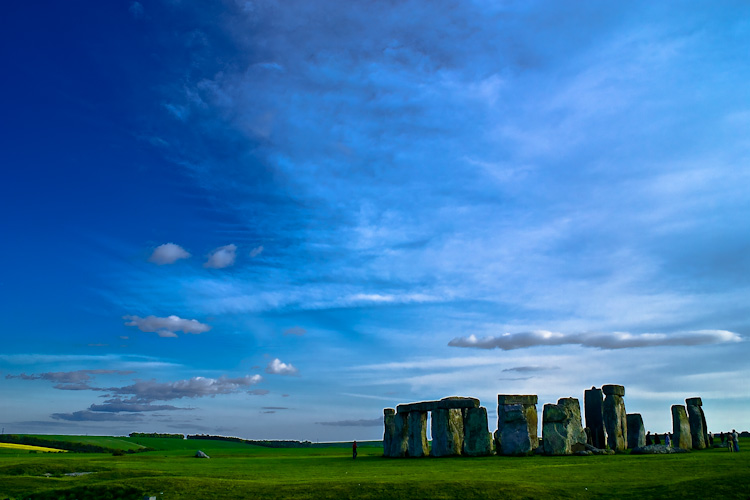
column 354, row 450
column 736, row 440
column 649, row 441
column 730, row 441
column 666, row 440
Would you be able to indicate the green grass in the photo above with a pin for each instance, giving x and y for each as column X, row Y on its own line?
column 237, row 471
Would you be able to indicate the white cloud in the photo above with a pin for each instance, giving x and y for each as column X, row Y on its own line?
column 276, row 367
column 615, row 340
column 166, row 327
column 256, row 251
column 222, row 257
column 168, row 253
column 145, row 391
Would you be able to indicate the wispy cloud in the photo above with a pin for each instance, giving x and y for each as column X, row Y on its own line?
column 73, row 377
column 195, row 387
column 295, row 330
column 166, row 327
column 617, row 340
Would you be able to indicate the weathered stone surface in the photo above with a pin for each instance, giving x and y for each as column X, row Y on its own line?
column 389, row 434
column 417, row 431
column 613, row 390
column 517, row 399
column 681, row 428
column 698, row 432
column 456, row 402
column 395, row 438
column 516, row 425
column 562, row 432
column 477, row 437
column 615, row 418
column 656, row 449
column 636, row 431
column 453, row 402
column 200, row 454
column 447, row 432
column 594, row 411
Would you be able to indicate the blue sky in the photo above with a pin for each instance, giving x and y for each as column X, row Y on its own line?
column 274, row 219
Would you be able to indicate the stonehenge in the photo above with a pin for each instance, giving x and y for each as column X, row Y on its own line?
column 698, row 430
column 636, row 431
column 517, row 424
column 459, row 427
column 615, row 418
column 562, row 432
column 593, row 402
column 681, row 428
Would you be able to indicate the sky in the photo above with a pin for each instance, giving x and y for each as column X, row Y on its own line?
column 273, row 219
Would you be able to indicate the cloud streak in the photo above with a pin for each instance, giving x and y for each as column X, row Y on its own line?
column 616, row 340
column 166, row 327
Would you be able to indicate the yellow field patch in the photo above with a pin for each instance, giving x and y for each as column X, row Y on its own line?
column 28, row 447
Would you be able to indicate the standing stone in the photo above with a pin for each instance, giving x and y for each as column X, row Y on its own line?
column 389, row 421
column 447, row 432
column 399, row 442
column 594, row 410
column 615, row 418
column 697, row 420
column 417, row 429
column 516, row 424
column 562, row 432
column 477, row 437
column 681, row 428
column 636, row 431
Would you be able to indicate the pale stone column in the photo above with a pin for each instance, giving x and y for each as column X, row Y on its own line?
column 417, row 422
column 562, row 432
column 681, row 428
column 615, row 418
column 697, row 420
column 447, row 432
column 516, row 424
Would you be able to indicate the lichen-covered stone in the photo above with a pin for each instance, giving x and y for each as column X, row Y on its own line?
column 417, row 441
column 453, row 402
column 681, row 428
column 656, row 449
column 594, row 412
column 614, row 417
column 477, row 437
column 636, row 431
column 613, row 390
column 562, row 432
column 399, row 441
column 389, row 417
column 697, row 420
column 516, row 425
column 447, row 432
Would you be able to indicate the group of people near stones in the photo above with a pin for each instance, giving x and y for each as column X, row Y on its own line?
column 732, row 440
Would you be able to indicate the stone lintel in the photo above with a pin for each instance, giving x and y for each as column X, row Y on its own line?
column 389, row 411
column 456, row 402
column 613, row 390
column 451, row 403
column 517, row 399
column 694, row 402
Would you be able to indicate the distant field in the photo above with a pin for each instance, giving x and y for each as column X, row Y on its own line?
column 237, row 471
column 12, row 447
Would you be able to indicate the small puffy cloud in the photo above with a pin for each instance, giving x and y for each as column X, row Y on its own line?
column 146, row 391
column 222, row 257
column 295, row 330
column 276, row 367
column 168, row 253
column 166, row 327
column 375, row 422
column 256, row 251
column 615, row 340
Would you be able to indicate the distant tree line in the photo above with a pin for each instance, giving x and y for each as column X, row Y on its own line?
column 155, row 435
column 272, row 443
column 61, row 445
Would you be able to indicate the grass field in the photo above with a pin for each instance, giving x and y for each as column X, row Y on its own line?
column 237, row 471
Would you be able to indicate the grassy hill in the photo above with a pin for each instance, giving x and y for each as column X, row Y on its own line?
column 237, row 471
